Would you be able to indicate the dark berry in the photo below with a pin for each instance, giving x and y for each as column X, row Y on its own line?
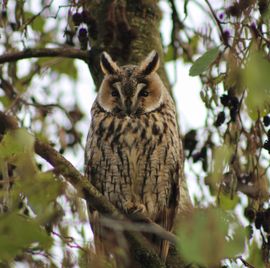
column 220, row 119
column 234, row 103
column 225, row 99
column 259, row 219
column 83, row 38
column 13, row 26
column 204, row 158
column 77, row 19
column 234, row 10
column 266, row 145
column 26, row 211
column 201, row 156
column 266, row 120
column 263, row 6
column 268, row 134
column 250, row 214
column 92, row 29
column 85, row 15
column 190, row 141
column 226, row 36
column 266, row 224
column 48, row 228
column 20, row 205
column 244, row 4
column 69, row 37
column 221, row 16
column 267, row 214
column 249, row 230
column 196, row 157
column 82, row 33
column 39, row 166
column 91, row 23
column 233, row 114
column 87, row 18
column 204, row 165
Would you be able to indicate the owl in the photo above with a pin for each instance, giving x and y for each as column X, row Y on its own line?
column 133, row 152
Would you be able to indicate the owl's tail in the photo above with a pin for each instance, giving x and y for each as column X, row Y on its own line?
column 165, row 219
column 110, row 245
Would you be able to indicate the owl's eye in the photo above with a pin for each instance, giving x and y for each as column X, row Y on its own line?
column 144, row 93
column 115, row 93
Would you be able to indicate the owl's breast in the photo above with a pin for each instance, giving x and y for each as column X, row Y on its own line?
column 134, row 158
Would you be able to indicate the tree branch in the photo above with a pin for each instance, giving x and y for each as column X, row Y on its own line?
column 222, row 35
column 63, row 52
column 92, row 196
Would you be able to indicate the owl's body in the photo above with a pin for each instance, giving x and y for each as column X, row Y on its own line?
column 134, row 152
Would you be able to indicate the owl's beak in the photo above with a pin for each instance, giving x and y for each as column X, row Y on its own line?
column 128, row 105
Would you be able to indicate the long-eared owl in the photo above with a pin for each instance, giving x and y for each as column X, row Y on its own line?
column 134, row 153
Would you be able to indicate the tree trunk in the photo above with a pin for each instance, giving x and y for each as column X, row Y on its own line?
column 128, row 30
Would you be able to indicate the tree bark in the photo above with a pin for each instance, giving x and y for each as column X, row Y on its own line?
column 128, row 30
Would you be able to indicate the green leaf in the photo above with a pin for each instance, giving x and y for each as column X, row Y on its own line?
column 255, row 257
column 256, row 75
column 17, row 148
column 17, row 233
column 235, row 244
column 15, row 142
column 227, row 202
column 41, row 193
column 222, row 157
column 203, row 62
column 169, row 56
column 5, row 101
column 37, row 22
column 60, row 66
column 202, row 238
column 41, row 188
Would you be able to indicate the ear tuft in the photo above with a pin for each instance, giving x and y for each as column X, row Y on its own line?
column 108, row 66
column 150, row 64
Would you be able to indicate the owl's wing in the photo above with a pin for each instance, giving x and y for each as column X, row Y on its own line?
column 167, row 216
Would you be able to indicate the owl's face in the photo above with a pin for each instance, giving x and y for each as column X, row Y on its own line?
column 130, row 90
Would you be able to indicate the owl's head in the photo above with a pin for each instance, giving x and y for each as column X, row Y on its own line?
column 130, row 90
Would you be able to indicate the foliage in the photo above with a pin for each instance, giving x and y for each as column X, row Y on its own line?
column 234, row 148
column 228, row 157
column 205, row 233
column 203, row 62
column 17, row 154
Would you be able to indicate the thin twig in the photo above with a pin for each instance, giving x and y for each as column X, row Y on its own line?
column 218, row 23
column 29, row 21
column 121, row 225
column 70, row 241
column 245, row 262
column 62, row 52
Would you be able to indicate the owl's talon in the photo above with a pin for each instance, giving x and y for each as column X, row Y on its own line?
column 132, row 208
